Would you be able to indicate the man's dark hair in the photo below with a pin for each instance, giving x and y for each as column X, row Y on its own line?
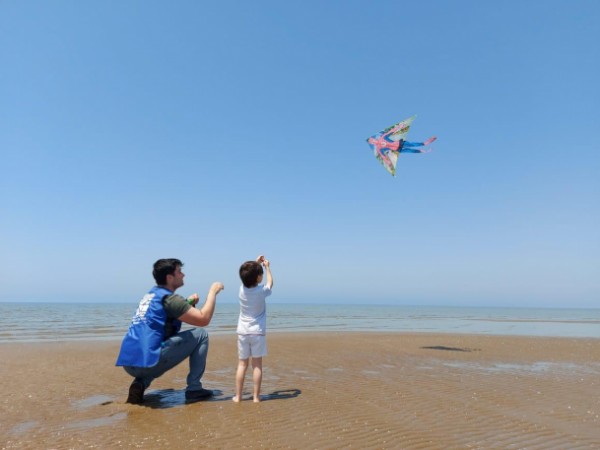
column 249, row 273
column 164, row 267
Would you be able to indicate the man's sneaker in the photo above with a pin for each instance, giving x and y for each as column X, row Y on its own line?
column 136, row 393
column 196, row 396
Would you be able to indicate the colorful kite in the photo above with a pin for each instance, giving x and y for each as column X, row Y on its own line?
column 389, row 143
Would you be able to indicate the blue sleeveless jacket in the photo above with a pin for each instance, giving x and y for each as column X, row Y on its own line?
column 142, row 343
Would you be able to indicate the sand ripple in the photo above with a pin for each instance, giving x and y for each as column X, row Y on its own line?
column 321, row 391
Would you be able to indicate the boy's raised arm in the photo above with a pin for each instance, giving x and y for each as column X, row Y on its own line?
column 267, row 265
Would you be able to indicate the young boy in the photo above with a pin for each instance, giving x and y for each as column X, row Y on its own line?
column 252, row 323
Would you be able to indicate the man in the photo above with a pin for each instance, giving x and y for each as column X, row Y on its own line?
column 154, row 344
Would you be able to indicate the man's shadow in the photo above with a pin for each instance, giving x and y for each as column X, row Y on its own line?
column 171, row 398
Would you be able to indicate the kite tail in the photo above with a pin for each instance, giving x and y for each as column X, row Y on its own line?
column 429, row 141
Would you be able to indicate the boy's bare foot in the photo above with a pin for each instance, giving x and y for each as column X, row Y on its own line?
column 236, row 399
column 256, row 399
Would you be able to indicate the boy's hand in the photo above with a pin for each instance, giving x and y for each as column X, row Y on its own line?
column 217, row 287
column 262, row 260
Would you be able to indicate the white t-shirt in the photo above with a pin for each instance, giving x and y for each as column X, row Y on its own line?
column 253, row 310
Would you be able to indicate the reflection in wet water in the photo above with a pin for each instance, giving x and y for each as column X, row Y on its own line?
column 96, row 400
column 98, row 422
column 23, row 427
column 533, row 368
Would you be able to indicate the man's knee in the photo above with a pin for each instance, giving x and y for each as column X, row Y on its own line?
column 200, row 334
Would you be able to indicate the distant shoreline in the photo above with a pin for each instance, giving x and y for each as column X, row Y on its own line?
column 44, row 322
column 320, row 304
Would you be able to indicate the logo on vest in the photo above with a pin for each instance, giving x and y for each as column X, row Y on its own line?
column 140, row 314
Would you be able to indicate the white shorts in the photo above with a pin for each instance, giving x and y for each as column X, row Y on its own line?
column 254, row 345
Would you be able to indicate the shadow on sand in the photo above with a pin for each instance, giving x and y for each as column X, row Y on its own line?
column 451, row 349
column 171, row 398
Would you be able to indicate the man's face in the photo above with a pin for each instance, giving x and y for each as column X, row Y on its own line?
column 177, row 278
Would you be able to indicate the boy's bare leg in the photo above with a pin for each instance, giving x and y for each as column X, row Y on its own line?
column 257, row 377
column 239, row 379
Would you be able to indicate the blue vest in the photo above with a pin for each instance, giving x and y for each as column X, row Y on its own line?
column 142, row 343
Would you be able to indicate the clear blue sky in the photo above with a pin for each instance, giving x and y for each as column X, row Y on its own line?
column 217, row 131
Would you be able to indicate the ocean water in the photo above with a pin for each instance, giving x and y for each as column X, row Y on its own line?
column 48, row 322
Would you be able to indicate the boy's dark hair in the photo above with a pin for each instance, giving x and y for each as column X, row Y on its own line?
column 164, row 267
column 249, row 273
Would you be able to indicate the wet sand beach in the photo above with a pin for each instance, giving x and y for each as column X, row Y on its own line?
column 324, row 390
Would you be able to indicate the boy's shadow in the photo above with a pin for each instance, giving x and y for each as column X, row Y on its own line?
column 171, row 398
column 281, row 395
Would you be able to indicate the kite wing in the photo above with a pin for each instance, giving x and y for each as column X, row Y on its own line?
column 399, row 130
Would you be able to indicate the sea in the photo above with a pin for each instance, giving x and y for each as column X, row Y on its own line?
column 52, row 322
column 55, row 322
